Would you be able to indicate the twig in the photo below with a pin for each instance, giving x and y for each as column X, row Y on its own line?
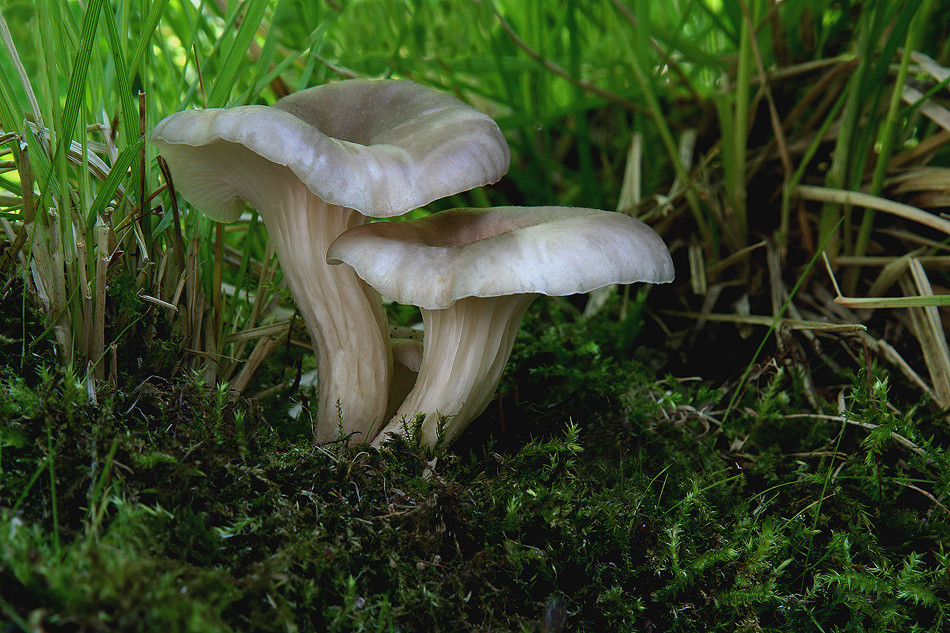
column 756, row 319
column 925, row 493
column 897, row 437
column 856, row 198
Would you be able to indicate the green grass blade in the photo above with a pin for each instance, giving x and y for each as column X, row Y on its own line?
column 118, row 171
column 11, row 116
column 236, row 57
column 891, row 122
column 130, row 115
column 311, row 43
column 656, row 110
column 155, row 12
column 915, row 301
column 77, row 80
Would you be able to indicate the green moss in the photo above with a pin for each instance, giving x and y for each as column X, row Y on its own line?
column 641, row 515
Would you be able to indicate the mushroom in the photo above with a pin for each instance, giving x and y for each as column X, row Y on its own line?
column 473, row 273
column 314, row 164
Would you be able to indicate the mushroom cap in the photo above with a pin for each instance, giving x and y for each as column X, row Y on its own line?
column 381, row 147
column 436, row 260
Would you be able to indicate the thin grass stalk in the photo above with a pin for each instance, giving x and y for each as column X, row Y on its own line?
column 11, row 613
column 194, row 300
column 591, row 191
column 97, row 348
column 76, row 86
column 217, row 277
column 140, row 176
column 8, row 114
column 710, row 239
column 631, row 187
column 77, row 266
column 130, row 114
column 771, row 322
column 212, row 352
column 777, row 126
column 156, row 9
column 61, row 300
column 235, row 307
column 909, row 301
column 735, row 148
column 50, row 109
column 789, row 190
column 177, row 236
column 25, row 172
column 236, row 55
column 85, row 297
column 889, row 131
column 837, row 173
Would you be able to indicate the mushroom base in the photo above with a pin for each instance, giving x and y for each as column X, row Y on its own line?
column 465, row 349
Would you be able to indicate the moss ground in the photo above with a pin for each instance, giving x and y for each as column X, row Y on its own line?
column 595, row 496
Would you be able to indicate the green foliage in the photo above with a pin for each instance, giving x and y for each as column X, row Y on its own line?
column 110, row 580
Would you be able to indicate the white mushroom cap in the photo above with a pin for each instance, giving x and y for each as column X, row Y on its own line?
column 380, row 147
column 473, row 273
column 434, row 261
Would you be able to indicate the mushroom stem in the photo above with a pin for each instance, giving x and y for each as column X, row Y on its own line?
column 344, row 316
column 465, row 349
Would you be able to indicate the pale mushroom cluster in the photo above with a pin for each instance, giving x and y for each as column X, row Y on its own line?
column 318, row 163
